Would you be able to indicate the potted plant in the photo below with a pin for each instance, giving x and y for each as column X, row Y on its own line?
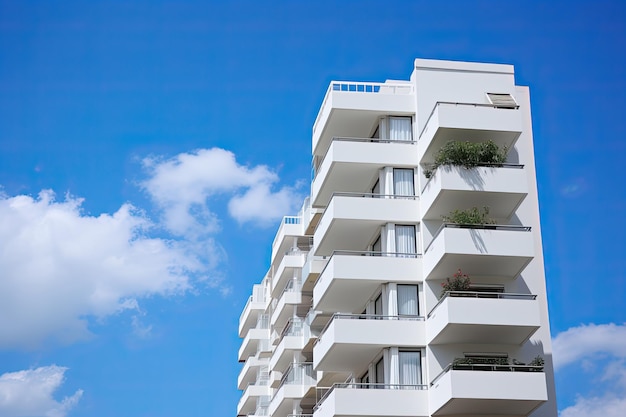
column 458, row 282
column 471, row 216
column 468, row 155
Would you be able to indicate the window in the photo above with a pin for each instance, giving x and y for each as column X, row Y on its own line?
column 400, row 128
column 407, row 300
column 378, row 306
column 410, row 371
column 403, row 182
column 365, row 380
column 405, row 241
column 380, row 373
column 504, row 101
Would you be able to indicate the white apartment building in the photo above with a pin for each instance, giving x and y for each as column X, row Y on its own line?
column 351, row 318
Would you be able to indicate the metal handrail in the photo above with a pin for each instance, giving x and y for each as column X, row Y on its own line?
column 483, row 294
column 373, row 195
column 367, row 317
column 487, row 226
column 460, row 104
column 486, row 367
column 366, row 385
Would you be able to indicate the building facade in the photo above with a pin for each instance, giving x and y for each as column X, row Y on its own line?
column 411, row 283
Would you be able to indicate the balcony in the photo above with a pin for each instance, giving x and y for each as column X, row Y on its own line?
column 482, row 390
column 290, row 297
column 250, row 398
column 350, row 340
column 373, row 400
column 468, row 122
column 290, row 227
column 250, row 344
column 297, row 382
column 482, row 317
column 502, row 189
column 351, row 164
column 292, row 339
column 289, row 268
column 351, row 220
column 480, row 250
column 352, row 109
column 256, row 305
column 350, row 278
column 250, row 371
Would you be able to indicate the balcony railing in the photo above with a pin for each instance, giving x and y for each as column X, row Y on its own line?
column 356, row 87
column 375, row 195
column 293, row 285
column 341, row 316
column 365, row 385
column 295, row 327
column 487, row 367
column 507, row 227
column 482, row 294
column 437, row 104
column 298, row 374
column 263, row 322
column 317, row 161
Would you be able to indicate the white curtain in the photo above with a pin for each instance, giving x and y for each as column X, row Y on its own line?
column 407, row 300
column 410, row 369
column 400, row 128
column 405, row 241
column 403, row 181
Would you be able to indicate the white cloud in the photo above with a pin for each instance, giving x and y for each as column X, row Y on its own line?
column 60, row 267
column 259, row 203
column 599, row 350
column 587, row 340
column 605, row 406
column 184, row 186
column 30, row 393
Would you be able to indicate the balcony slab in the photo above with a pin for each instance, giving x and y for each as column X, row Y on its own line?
column 495, row 252
column 350, row 222
column 348, row 343
column 458, row 188
column 487, row 392
column 483, row 320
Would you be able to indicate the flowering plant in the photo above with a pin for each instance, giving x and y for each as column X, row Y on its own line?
column 459, row 282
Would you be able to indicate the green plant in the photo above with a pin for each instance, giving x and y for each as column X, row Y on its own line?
column 537, row 361
column 459, row 282
column 473, row 215
column 459, row 362
column 468, row 155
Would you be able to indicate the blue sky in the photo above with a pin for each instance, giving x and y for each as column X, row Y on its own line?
column 149, row 148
